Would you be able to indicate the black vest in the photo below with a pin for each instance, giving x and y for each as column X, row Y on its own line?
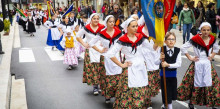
column 172, row 59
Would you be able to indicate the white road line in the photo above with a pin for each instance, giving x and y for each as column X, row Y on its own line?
column 55, row 55
column 26, row 55
column 184, row 104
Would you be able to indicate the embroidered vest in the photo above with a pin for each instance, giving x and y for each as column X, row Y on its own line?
column 69, row 43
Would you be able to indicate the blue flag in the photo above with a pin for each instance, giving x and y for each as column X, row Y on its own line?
column 69, row 10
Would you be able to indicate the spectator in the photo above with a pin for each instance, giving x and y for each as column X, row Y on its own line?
column 218, row 23
column 188, row 18
column 211, row 16
column 201, row 14
column 125, row 8
column 104, row 7
column 10, row 16
column 93, row 9
column 179, row 8
column 1, row 29
column 134, row 11
column 115, row 12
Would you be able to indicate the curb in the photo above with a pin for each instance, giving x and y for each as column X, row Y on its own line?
column 5, row 74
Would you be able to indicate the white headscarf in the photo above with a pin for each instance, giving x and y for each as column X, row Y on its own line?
column 141, row 21
column 106, row 20
column 126, row 23
column 133, row 15
column 90, row 18
column 205, row 24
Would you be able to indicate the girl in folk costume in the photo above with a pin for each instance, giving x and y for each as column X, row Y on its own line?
column 63, row 27
column 201, row 84
column 30, row 24
column 111, row 72
column 150, row 56
column 133, row 90
column 38, row 20
column 68, row 42
column 78, row 47
column 91, row 74
column 53, row 32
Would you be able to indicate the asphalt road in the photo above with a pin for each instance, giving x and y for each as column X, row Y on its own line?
column 50, row 86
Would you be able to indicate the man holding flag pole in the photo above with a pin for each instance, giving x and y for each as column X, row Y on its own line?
column 156, row 12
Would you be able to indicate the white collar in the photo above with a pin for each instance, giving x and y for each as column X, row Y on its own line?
column 169, row 48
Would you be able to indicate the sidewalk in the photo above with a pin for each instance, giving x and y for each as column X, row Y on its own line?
column 179, row 42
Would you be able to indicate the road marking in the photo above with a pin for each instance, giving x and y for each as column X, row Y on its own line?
column 26, row 55
column 184, row 104
column 55, row 55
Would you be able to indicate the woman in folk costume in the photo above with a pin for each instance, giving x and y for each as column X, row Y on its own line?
column 150, row 56
column 91, row 73
column 78, row 47
column 38, row 19
column 201, row 84
column 133, row 90
column 70, row 56
column 30, row 24
column 111, row 72
column 63, row 27
column 53, row 32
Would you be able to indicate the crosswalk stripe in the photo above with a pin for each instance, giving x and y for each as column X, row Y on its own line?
column 183, row 103
column 26, row 55
column 55, row 55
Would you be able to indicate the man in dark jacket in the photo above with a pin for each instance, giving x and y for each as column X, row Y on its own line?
column 1, row 29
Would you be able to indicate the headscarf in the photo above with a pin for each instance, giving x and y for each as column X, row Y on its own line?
column 205, row 24
column 133, row 15
column 106, row 21
column 90, row 18
column 126, row 23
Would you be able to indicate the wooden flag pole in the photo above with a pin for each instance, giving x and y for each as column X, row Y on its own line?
column 164, row 81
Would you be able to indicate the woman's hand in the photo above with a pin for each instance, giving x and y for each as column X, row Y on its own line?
column 194, row 59
column 86, row 45
column 210, row 58
column 104, row 50
column 126, row 64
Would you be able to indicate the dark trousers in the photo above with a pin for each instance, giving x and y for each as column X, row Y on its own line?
column 0, row 43
column 171, row 83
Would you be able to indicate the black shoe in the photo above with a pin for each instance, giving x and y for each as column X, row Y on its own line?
column 107, row 101
column 95, row 91
column 70, row 67
column 52, row 48
column 214, row 108
column 191, row 106
column 2, row 52
column 219, row 43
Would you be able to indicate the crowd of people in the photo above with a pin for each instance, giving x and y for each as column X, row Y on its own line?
column 121, row 60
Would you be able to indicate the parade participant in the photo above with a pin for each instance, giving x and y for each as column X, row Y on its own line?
column 135, row 16
column 70, row 56
column 172, row 60
column 91, row 74
column 150, row 56
column 111, row 72
column 38, row 20
column 63, row 27
column 133, row 90
column 53, row 32
column 58, row 16
column 73, row 19
column 78, row 47
column 201, row 84
column 30, row 24
column 82, row 21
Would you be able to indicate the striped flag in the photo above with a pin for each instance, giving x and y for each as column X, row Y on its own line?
column 49, row 9
column 157, row 15
column 20, row 12
column 68, row 11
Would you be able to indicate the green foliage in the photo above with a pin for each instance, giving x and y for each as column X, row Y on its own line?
column 1, row 15
column 6, row 25
column 214, row 34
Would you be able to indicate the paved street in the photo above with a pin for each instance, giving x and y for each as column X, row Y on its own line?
column 50, row 86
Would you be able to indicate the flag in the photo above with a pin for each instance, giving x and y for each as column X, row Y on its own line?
column 20, row 12
column 157, row 15
column 68, row 11
column 50, row 9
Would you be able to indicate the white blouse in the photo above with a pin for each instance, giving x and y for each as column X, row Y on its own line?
column 55, row 33
column 110, row 67
column 94, row 55
column 203, row 77
column 137, row 72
